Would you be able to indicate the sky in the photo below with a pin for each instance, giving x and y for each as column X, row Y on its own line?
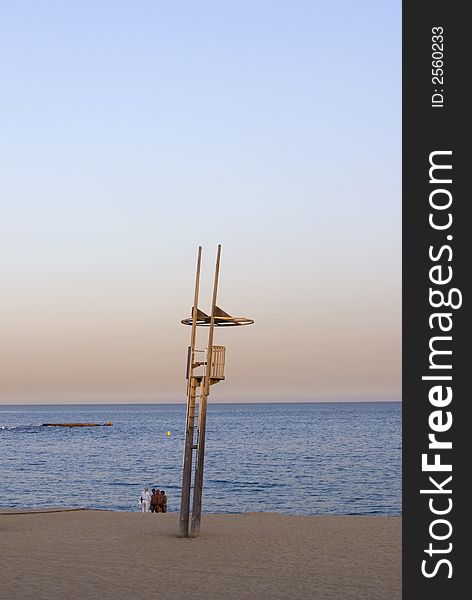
column 132, row 132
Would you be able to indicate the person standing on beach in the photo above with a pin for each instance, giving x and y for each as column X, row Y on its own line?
column 154, row 500
column 158, row 501
column 163, row 501
column 145, row 500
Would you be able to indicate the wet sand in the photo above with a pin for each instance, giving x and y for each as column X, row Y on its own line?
column 105, row 555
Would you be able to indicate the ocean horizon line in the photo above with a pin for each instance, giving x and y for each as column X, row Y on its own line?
column 229, row 403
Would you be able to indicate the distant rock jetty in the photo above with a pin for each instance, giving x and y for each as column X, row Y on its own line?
column 107, row 424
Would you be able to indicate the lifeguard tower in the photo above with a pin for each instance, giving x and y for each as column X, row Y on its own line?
column 204, row 369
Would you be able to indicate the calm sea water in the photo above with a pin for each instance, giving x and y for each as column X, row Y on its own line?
column 293, row 458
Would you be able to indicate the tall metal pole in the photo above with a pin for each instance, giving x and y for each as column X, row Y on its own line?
column 190, row 419
column 198, row 485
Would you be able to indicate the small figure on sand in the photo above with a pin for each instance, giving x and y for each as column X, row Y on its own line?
column 154, row 500
column 145, row 500
column 163, row 501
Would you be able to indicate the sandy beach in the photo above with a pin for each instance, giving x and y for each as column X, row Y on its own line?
column 83, row 555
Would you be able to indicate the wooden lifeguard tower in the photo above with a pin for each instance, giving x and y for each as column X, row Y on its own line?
column 204, row 369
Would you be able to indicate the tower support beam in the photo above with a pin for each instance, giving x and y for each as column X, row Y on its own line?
column 198, row 487
column 190, row 419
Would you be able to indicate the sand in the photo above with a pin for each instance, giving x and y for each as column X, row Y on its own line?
column 101, row 555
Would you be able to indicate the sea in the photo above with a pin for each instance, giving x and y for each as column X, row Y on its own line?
column 292, row 458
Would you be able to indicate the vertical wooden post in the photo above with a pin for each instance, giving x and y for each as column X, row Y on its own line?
column 190, row 419
column 198, row 485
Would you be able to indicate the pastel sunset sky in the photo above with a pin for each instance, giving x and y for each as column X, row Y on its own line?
column 134, row 131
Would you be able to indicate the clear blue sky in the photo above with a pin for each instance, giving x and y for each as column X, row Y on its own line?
column 133, row 131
